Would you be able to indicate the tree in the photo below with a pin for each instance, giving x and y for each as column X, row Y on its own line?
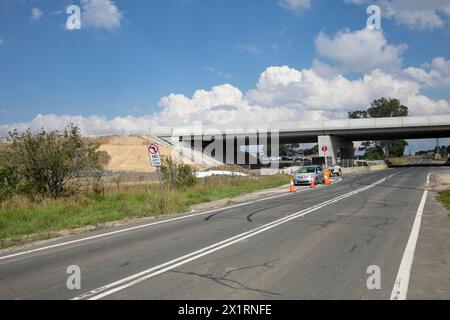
column 312, row 151
column 382, row 108
column 46, row 162
column 288, row 149
column 397, row 148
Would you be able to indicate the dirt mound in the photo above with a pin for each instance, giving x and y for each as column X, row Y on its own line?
column 124, row 140
column 129, row 153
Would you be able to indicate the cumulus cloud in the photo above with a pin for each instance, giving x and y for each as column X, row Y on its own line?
column 306, row 90
column 435, row 75
column 360, row 51
column 415, row 14
column 103, row 14
column 36, row 14
column 281, row 94
column 295, row 5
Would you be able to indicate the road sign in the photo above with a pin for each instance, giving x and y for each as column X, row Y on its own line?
column 324, row 148
column 155, row 157
column 155, row 160
column 153, row 149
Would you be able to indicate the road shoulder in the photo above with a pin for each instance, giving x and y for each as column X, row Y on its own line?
column 430, row 275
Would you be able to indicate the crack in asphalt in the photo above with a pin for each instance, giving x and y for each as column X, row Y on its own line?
column 369, row 241
column 323, row 225
column 379, row 225
column 234, row 284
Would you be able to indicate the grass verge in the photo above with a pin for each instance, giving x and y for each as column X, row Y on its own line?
column 444, row 198
column 23, row 221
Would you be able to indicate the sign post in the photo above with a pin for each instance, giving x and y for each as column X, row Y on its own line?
column 325, row 150
column 155, row 161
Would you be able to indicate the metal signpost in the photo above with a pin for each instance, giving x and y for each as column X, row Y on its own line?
column 155, row 161
column 325, row 150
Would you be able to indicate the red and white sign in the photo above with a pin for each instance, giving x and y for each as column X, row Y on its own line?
column 153, row 149
column 324, row 148
column 153, row 152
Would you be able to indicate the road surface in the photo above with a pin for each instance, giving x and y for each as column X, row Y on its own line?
column 314, row 244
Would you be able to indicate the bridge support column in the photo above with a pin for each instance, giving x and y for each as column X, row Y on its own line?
column 336, row 148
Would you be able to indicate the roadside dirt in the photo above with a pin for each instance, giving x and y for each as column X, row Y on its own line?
column 441, row 182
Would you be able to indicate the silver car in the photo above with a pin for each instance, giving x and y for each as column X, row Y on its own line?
column 307, row 174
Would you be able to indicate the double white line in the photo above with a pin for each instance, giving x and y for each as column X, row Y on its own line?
column 157, row 270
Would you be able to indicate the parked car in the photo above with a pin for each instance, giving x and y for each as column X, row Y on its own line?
column 336, row 170
column 307, row 174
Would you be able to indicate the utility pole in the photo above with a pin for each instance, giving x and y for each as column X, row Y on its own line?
column 438, row 149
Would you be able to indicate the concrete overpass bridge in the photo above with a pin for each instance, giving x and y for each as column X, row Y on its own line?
column 335, row 137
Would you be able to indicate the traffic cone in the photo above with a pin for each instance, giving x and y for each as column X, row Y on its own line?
column 292, row 186
column 313, row 184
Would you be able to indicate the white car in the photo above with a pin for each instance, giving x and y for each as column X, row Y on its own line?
column 336, row 170
column 308, row 174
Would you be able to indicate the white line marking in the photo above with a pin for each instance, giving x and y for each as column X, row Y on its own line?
column 400, row 290
column 154, row 271
column 149, row 225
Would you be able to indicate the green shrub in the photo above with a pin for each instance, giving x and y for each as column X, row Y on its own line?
column 44, row 163
column 8, row 182
column 178, row 175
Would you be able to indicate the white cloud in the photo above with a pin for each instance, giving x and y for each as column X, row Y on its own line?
column 306, row 91
column 415, row 14
column 282, row 93
column 325, row 70
column 435, row 75
column 218, row 72
column 248, row 48
column 36, row 14
column 102, row 14
column 295, row 5
column 360, row 51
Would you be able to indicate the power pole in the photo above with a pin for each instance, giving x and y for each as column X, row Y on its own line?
column 438, row 149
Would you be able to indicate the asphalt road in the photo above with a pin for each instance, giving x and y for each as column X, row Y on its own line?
column 316, row 244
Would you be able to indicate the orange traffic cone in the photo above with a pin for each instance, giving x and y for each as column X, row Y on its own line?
column 292, row 186
column 313, row 184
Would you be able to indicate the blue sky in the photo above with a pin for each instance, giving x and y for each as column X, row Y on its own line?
column 151, row 49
